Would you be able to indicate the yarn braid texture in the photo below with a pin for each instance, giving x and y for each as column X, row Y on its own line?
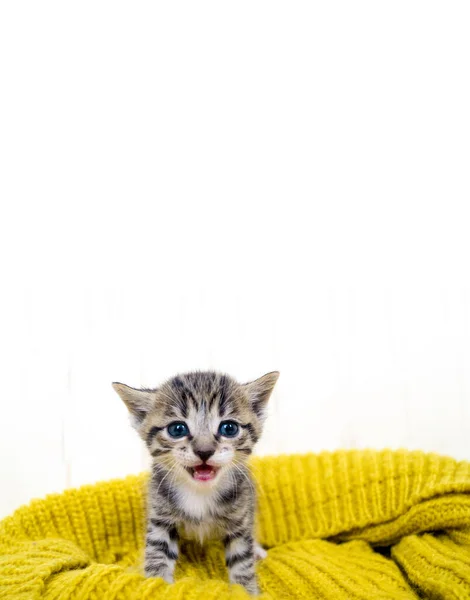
column 339, row 525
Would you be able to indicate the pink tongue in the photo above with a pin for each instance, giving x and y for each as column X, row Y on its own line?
column 204, row 473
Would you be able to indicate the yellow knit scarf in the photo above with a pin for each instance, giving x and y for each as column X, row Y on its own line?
column 341, row 525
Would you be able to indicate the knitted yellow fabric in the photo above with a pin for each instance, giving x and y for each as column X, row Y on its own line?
column 342, row 525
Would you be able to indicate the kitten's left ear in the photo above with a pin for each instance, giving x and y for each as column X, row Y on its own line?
column 260, row 390
column 138, row 402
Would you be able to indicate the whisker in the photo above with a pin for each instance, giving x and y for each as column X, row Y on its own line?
column 164, row 477
column 252, row 474
column 245, row 475
column 253, row 470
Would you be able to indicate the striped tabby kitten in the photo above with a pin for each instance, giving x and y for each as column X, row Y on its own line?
column 200, row 429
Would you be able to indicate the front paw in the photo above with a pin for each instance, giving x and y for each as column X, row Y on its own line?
column 249, row 582
column 252, row 587
column 164, row 573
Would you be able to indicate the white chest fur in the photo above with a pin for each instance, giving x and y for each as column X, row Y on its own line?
column 202, row 507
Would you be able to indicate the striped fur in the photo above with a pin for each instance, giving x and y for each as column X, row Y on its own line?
column 179, row 504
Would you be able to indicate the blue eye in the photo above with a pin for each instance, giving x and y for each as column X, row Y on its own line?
column 178, row 429
column 228, row 428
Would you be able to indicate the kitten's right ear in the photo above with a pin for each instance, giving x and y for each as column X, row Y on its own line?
column 138, row 402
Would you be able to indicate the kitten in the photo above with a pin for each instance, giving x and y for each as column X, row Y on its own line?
column 200, row 429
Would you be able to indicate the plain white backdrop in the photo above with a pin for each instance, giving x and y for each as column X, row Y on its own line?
column 243, row 186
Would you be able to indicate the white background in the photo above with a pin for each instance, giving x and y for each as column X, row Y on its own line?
column 243, row 186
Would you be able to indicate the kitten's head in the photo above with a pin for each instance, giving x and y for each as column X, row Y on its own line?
column 199, row 424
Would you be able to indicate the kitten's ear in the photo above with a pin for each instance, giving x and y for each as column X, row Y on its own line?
column 138, row 402
column 260, row 390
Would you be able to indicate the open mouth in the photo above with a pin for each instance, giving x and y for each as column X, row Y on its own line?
column 203, row 472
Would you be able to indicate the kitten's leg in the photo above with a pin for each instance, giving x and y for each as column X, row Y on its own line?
column 161, row 549
column 240, row 559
